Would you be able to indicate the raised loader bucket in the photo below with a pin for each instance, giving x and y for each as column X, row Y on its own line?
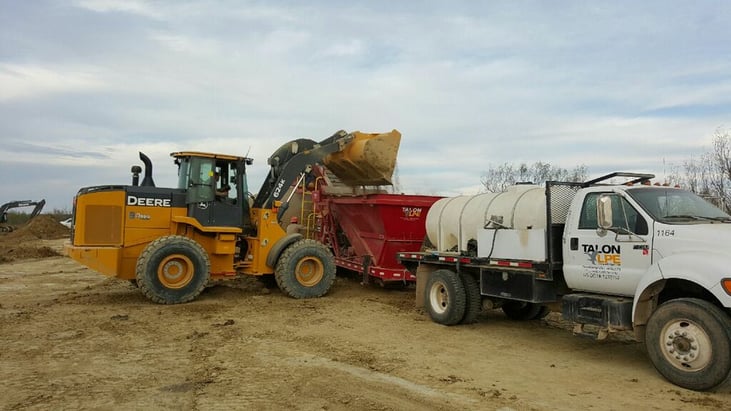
column 368, row 160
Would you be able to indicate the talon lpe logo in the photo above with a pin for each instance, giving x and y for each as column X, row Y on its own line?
column 607, row 254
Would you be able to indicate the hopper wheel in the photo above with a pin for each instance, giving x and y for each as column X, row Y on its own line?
column 172, row 270
column 306, row 269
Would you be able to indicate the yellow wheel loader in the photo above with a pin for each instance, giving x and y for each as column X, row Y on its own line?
column 173, row 241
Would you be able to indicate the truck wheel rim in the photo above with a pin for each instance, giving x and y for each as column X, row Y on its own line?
column 309, row 271
column 439, row 298
column 686, row 346
column 175, row 271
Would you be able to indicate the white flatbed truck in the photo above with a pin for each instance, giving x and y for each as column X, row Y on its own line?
column 615, row 256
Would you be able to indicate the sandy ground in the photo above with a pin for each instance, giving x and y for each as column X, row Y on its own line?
column 72, row 338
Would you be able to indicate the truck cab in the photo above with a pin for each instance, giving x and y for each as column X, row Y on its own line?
column 652, row 237
column 665, row 252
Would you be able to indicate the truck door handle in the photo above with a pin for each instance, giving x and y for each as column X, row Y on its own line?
column 574, row 243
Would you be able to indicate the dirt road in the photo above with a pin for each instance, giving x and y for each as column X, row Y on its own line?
column 72, row 338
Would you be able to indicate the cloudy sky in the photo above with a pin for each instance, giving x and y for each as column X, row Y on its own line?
column 86, row 84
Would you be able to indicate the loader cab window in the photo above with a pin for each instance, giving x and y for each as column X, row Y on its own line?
column 195, row 175
column 236, row 174
column 624, row 215
column 225, row 177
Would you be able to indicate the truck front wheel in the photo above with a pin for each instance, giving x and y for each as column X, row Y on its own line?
column 445, row 297
column 689, row 343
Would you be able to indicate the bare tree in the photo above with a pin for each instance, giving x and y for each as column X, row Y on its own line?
column 721, row 178
column 498, row 178
column 709, row 175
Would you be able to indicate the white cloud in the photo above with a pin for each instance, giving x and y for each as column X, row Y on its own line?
column 138, row 7
column 468, row 84
column 187, row 45
column 22, row 81
column 352, row 47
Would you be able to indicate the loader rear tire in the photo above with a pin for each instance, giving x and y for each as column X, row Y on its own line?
column 306, row 269
column 473, row 303
column 445, row 298
column 172, row 270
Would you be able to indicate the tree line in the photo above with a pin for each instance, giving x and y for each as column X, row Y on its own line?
column 707, row 174
column 498, row 178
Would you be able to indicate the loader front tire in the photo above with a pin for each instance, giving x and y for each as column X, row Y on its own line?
column 172, row 270
column 445, row 298
column 306, row 269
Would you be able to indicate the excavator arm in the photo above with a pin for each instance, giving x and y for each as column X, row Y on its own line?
column 17, row 204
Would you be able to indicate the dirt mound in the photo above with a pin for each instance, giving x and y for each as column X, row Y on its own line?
column 10, row 253
column 42, row 227
column 25, row 242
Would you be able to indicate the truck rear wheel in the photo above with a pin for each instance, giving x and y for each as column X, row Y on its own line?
column 473, row 302
column 306, row 269
column 445, row 297
column 172, row 270
column 689, row 343
column 522, row 311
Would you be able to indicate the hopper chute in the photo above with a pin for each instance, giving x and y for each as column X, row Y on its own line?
column 368, row 159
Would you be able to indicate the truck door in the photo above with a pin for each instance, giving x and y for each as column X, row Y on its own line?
column 611, row 261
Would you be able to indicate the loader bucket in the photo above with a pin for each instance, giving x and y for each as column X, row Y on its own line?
column 369, row 159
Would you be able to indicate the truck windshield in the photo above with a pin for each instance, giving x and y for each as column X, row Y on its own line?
column 674, row 206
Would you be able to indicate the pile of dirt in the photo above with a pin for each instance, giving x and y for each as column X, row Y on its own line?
column 42, row 227
column 26, row 242
column 27, row 251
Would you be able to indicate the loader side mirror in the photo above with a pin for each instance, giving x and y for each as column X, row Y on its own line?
column 604, row 212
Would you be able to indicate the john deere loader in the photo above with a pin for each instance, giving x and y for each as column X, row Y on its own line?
column 173, row 241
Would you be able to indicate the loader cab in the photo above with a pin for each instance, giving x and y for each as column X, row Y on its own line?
column 216, row 192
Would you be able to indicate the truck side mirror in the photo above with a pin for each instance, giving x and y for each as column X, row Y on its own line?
column 604, row 212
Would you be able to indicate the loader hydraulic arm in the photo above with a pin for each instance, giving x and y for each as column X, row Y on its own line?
column 293, row 159
column 357, row 159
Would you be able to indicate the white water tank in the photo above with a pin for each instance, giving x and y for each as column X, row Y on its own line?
column 452, row 222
